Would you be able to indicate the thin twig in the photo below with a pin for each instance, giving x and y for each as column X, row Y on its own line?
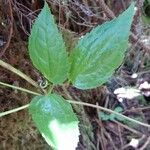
column 106, row 9
column 120, row 135
column 145, row 144
column 110, row 111
column 18, row 72
column 103, row 108
column 19, row 88
column 13, row 110
column 11, row 29
column 137, row 109
column 66, row 92
column 94, row 106
column 128, row 128
column 111, row 140
column 141, row 44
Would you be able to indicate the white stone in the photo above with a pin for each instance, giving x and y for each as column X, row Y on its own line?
column 134, row 75
column 134, row 143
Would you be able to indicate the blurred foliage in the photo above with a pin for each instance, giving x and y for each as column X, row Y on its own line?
column 146, row 12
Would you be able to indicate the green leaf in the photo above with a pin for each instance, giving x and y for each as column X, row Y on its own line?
column 103, row 116
column 47, row 49
column 117, row 117
column 56, row 121
column 118, row 109
column 112, row 116
column 100, row 52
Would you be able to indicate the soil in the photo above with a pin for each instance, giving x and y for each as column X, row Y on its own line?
column 17, row 130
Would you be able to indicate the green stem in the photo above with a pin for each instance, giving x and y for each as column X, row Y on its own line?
column 110, row 111
column 18, row 72
column 84, row 104
column 13, row 110
column 19, row 88
column 102, row 108
column 50, row 89
column 70, row 101
column 66, row 92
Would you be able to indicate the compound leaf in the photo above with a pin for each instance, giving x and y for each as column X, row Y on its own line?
column 47, row 49
column 56, row 121
column 100, row 52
